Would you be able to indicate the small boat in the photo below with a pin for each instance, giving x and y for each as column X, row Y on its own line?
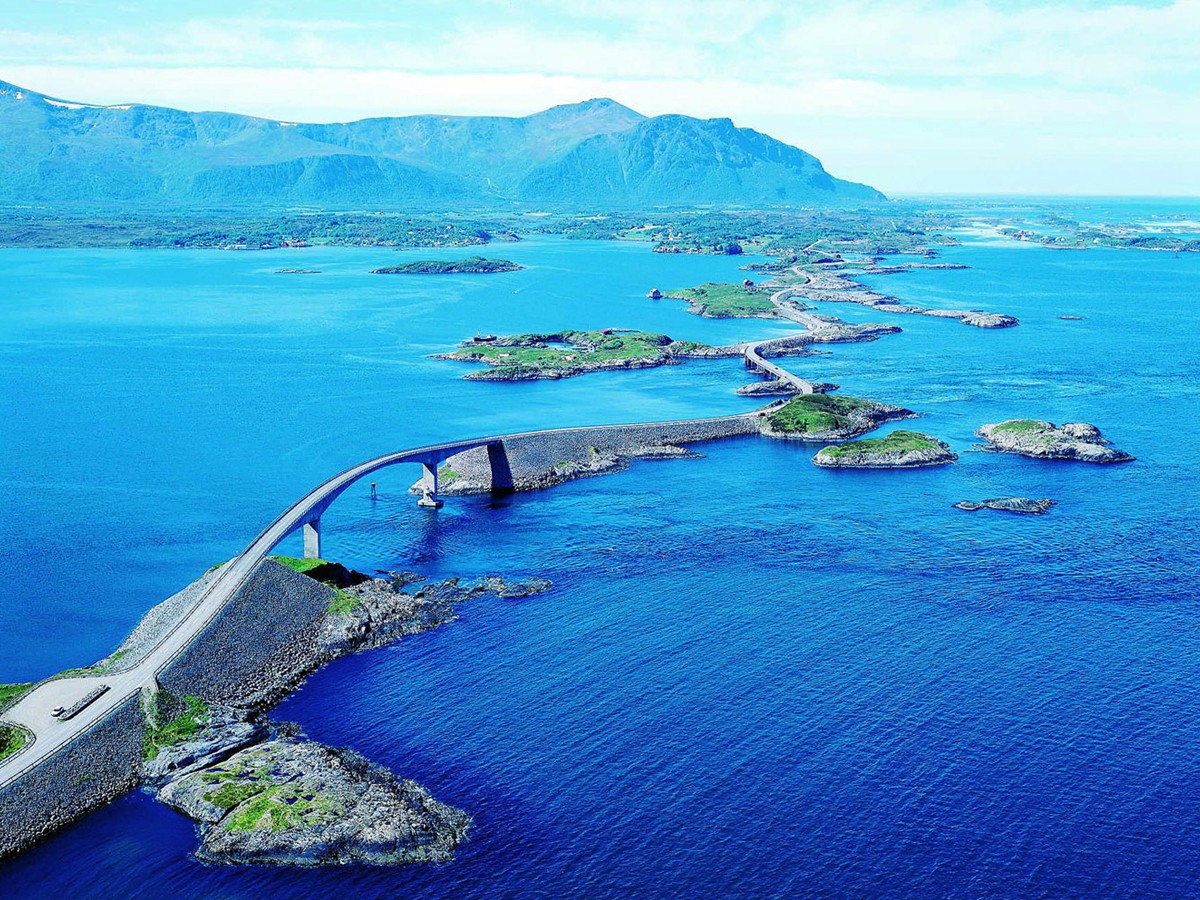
column 484, row 338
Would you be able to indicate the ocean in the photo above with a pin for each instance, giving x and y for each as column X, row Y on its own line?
column 752, row 677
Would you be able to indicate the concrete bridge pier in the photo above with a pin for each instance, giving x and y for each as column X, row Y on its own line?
column 429, row 487
column 312, row 539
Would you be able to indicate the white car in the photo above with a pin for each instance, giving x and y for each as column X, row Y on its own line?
column 58, row 711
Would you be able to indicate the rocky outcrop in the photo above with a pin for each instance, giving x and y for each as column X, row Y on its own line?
column 283, row 625
column 833, row 286
column 829, row 417
column 1009, row 504
column 290, row 801
column 379, row 610
column 1040, row 439
column 293, row 802
column 223, row 732
column 566, row 354
column 832, row 330
column 898, row 450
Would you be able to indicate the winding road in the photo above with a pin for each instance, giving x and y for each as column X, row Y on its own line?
column 33, row 710
column 755, row 359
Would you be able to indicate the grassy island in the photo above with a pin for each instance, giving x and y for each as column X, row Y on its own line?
column 898, row 450
column 472, row 265
column 896, row 442
column 726, row 301
column 524, row 357
column 1020, row 426
column 817, row 414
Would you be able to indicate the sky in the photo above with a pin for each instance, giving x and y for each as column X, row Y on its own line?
column 911, row 96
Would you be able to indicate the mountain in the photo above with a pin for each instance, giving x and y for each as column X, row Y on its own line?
column 596, row 153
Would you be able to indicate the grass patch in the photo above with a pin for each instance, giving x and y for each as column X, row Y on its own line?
column 896, row 442
column 296, row 564
column 344, row 603
column 815, row 414
column 1021, row 426
column 178, row 729
column 333, row 574
column 12, row 739
column 278, row 807
column 233, row 793
column 11, row 693
column 725, row 301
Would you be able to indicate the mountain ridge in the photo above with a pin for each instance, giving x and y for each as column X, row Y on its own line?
column 594, row 153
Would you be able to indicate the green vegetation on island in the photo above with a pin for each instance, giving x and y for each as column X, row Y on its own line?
column 246, row 786
column 1045, row 440
column 188, row 716
column 817, row 414
column 343, row 602
column 561, row 354
column 726, row 301
column 12, row 739
column 898, row 450
column 897, row 441
column 1021, row 426
column 325, row 571
column 472, row 265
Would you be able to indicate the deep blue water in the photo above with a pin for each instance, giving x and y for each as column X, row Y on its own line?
column 752, row 677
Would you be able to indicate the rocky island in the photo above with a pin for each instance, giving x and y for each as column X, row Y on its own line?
column 898, row 450
column 295, row 802
column 472, row 265
column 1026, row 505
column 1044, row 440
column 564, row 354
column 828, row 417
column 258, row 791
column 831, row 284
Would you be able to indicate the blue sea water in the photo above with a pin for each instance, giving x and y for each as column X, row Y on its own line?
column 752, row 677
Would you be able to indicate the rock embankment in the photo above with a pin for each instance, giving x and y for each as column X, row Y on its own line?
column 1040, row 439
column 1026, row 505
column 292, row 802
column 898, row 450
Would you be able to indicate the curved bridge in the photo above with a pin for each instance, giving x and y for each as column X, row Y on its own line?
column 51, row 734
column 756, row 362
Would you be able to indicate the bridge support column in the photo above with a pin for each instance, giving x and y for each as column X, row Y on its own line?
column 312, row 539
column 429, row 487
